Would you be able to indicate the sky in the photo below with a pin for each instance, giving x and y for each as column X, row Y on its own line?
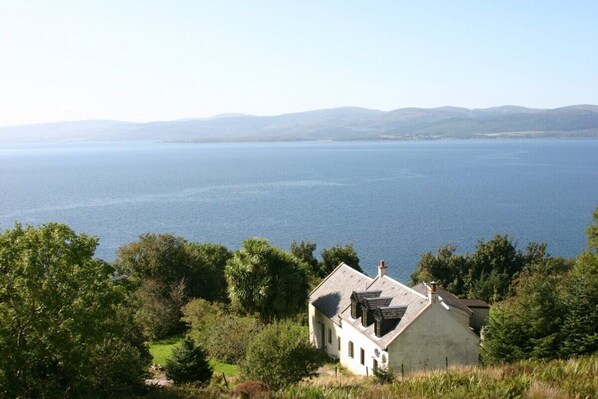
column 164, row 60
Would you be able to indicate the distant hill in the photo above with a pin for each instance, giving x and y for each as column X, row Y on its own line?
column 348, row 123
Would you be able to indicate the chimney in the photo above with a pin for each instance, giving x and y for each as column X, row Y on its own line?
column 432, row 293
column 382, row 269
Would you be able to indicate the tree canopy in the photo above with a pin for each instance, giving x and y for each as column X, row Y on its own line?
column 335, row 255
column 66, row 325
column 486, row 274
column 553, row 312
column 267, row 281
column 281, row 355
column 188, row 363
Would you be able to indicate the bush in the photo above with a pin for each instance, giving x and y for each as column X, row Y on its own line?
column 252, row 390
column 188, row 364
column 384, row 375
column 229, row 338
column 223, row 335
column 281, row 355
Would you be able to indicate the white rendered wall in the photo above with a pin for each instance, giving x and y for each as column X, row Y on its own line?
column 360, row 341
column 316, row 320
column 431, row 340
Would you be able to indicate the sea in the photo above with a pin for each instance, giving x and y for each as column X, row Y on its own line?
column 392, row 200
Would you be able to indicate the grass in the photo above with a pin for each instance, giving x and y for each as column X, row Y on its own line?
column 558, row 379
column 567, row 379
column 161, row 350
column 229, row 370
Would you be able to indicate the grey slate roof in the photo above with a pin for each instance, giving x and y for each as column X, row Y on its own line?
column 333, row 295
column 373, row 303
column 361, row 295
column 450, row 299
column 390, row 312
column 401, row 296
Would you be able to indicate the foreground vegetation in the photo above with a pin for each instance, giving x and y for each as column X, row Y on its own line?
column 575, row 378
column 75, row 326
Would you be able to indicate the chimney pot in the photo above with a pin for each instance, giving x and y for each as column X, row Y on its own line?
column 432, row 294
column 382, row 269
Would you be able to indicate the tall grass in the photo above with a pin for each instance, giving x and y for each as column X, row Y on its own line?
column 575, row 378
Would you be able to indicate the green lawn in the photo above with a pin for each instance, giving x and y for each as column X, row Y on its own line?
column 161, row 350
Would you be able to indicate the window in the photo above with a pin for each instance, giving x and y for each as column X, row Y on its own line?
column 351, row 349
column 378, row 328
column 338, row 342
column 329, row 336
column 362, row 356
column 375, row 365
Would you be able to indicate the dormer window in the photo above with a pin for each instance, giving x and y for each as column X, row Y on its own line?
column 387, row 318
column 368, row 305
column 356, row 299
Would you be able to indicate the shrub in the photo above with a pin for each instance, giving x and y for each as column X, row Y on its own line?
column 281, row 355
column 252, row 390
column 188, row 364
column 384, row 375
column 229, row 338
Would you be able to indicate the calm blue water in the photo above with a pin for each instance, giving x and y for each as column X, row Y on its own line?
column 392, row 200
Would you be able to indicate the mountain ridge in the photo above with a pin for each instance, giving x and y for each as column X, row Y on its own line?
column 343, row 123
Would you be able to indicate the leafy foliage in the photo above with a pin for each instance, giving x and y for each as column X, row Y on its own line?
column 335, row 255
column 160, row 257
column 553, row 314
column 281, row 355
column 66, row 326
column 159, row 313
column 266, row 281
column 304, row 251
column 188, row 364
column 224, row 335
column 205, row 273
column 580, row 327
column 169, row 270
column 384, row 375
column 486, row 274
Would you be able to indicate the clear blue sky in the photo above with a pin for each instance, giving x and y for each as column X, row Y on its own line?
column 163, row 60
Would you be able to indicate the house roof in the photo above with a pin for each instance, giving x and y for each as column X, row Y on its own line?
column 475, row 303
column 333, row 294
column 449, row 299
column 401, row 295
column 373, row 303
column 390, row 312
column 361, row 295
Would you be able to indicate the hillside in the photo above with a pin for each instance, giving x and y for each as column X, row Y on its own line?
column 338, row 124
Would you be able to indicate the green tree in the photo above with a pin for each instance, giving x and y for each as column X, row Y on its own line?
column 446, row 268
column 66, row 325
column 580, row 327
column 159, row 313
column 335, row 255
column 205, row 274
column 160, row 257
column 304, row 251
column 264, row 280
column 188, row 363
column 229, row 338
column 281, row 355
column 201, row 316
column 486, row 274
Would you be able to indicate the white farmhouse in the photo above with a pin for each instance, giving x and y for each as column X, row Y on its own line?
column 366, row 323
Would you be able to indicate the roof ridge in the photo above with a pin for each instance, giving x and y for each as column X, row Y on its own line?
column 334, row 271
column 405, row 286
